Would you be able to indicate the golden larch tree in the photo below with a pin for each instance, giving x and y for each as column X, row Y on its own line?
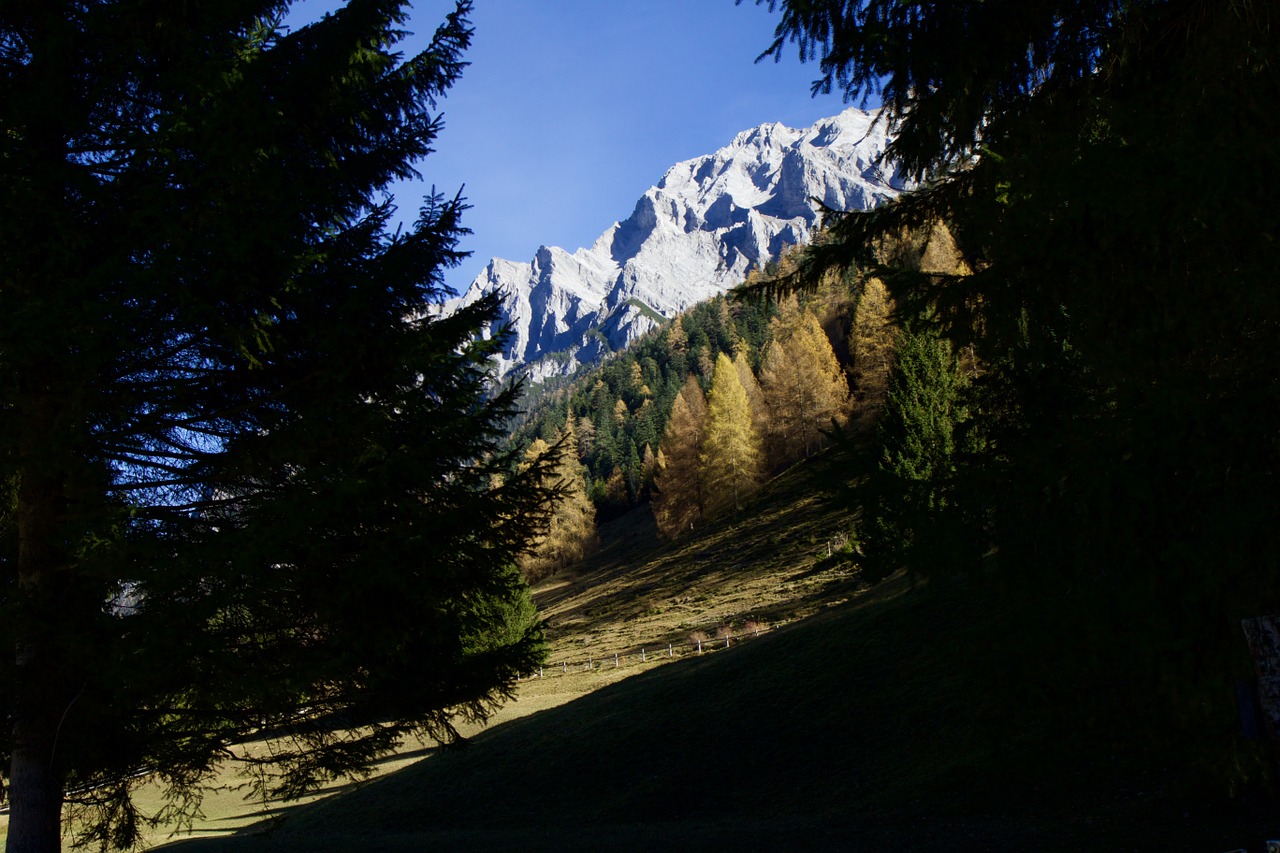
column 804, row 388
column 677, row 482
column 731, row 454
column 572, row 529
column 755, row 397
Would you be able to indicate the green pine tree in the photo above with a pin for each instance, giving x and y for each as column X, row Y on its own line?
column 910, row 499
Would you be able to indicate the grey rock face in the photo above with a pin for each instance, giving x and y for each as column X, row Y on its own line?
column 692, row 236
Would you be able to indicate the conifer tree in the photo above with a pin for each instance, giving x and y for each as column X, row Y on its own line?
column 586, row 432
column 648, row 466
column 1122, row 312
column 872, row 342
column 250, row 471
column 779, row 385
column 679, row 494
column 731, row 455
column 616, row 494
column 676, row 337
column 910, row 509
column 706, row 364
column 825, row 391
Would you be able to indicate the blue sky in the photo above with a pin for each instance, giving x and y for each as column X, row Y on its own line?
column 570, row 109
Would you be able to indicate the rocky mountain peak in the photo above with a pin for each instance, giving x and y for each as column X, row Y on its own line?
column 693, row 235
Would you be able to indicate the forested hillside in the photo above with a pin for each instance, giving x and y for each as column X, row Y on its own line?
column 694, row 417
column 789, row 372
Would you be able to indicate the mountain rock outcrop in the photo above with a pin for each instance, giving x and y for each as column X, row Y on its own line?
column 694, row 235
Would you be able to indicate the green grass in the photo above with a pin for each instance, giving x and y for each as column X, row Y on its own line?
column 647, row 311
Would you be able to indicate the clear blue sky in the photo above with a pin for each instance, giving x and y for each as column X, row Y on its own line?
column 570, row 109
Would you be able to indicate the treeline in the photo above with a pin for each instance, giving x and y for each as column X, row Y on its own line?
column 618, row 411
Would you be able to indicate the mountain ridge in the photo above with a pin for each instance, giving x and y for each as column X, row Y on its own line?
column 691, row 236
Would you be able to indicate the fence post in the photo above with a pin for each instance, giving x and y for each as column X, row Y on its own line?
column 726, row 641
column 669, row 654
column 615, row 660
column 565, row 664
column 642, row 657
column 699, row 646
column 539, row 672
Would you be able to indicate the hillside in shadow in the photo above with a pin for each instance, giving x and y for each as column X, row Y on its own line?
column 865, row 727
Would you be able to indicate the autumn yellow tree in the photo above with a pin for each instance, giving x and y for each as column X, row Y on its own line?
column 873, row 344
column 677, row 482
column 572, row 528
column 586, row 430
column 676, row 337
column 731, row 453
column 804, row 388
column 755, row 397
column 648, row 467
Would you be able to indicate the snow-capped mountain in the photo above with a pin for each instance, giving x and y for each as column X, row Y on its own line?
column 694, row 235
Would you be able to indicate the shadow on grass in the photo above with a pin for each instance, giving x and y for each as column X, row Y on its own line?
column 763, row 562
column 863, row 728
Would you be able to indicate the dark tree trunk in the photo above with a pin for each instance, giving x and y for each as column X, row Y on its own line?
column 35, row 813
column 35, row 783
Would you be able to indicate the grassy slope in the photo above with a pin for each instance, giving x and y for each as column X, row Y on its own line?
column 853, row 730
column 869, row 724
column 864, row 719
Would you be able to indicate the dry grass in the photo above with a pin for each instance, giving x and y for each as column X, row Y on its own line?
column 227, row 808
column 860, row 720
column 768, row 564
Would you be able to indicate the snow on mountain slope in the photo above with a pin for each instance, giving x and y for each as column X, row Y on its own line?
column 694, row 235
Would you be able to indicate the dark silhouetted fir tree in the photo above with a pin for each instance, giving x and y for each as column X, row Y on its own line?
column 248, row 468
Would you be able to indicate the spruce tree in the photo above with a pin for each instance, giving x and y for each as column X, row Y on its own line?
column 909, row 500
column 1122, row 311
column 248, row 465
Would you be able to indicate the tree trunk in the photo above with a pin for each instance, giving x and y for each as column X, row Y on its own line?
column 43, row 416
column 35, row 792
column 35, row 783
